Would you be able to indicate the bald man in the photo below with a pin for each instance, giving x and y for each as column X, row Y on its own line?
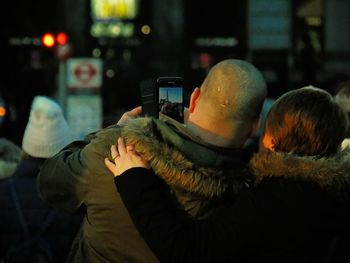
column 200, row 160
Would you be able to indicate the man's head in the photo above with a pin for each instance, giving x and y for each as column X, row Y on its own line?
column 227, row 105
column 342, row 97
column 305, row 121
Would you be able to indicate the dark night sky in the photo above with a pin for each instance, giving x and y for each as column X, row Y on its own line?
column 30, row 16
column 203, row 18
column 18, row 84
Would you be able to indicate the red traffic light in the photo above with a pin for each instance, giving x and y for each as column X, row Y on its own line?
column 48, row 40
column 61, row 38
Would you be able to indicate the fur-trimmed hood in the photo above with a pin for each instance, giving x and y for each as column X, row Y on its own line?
column 332, row 173
column 184, row 161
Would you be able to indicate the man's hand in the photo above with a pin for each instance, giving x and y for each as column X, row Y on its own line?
column 130, row 114
column 124, row 158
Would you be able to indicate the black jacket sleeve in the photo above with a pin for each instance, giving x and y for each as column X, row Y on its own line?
column 173, row 235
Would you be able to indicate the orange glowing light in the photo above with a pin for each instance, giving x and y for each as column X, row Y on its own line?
column 2, row 111
column 62, row 38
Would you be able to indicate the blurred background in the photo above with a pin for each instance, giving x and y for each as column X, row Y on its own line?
column 92, row 54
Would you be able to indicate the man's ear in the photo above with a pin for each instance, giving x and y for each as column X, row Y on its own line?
column 268, row 142
column 194, row 99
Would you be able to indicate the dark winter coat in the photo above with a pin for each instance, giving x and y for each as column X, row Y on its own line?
column 297, row 212
column 62, row 229
column 194, row 171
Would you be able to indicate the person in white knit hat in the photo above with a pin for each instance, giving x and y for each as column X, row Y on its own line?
column 46, row 133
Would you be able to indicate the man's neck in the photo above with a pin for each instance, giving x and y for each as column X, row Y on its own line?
column 213, row 137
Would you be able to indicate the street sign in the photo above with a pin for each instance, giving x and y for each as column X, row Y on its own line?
column 84, row 73
column 84, row 114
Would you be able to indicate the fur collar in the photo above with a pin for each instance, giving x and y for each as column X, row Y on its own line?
column 330, row 173
column 155, row 141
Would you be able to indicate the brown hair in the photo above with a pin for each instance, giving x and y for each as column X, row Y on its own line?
column 307, row 121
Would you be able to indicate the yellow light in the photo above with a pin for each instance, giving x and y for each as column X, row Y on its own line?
column 313, row 21
column 115, row 30
column 146, row 29
column 48, row 40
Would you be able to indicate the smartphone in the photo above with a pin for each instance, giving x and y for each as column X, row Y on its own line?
column 171, row 97
column 164, row 95
column 149, row 98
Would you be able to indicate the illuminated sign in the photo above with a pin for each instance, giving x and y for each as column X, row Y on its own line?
column 103, row 10
column 84, row 73
column 111, row 18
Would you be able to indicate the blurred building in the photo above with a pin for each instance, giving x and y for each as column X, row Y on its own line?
column 293, row 43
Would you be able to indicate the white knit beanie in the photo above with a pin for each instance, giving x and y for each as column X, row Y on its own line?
column 47, row 131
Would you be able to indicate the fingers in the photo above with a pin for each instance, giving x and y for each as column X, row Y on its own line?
column 110, row 165
column 123, row 119
column 136, row 111
column 121, row 150
column 121, row 146
column 130, row 148
column 130, row 114
column 114, row 152
column 186, row 114
column 124, row 157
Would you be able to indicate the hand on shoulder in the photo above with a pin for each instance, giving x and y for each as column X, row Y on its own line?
column 124, row 158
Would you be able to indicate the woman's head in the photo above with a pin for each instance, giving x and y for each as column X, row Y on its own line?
column 305, row 121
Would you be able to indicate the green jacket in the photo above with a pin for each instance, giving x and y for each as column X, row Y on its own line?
column 77, row 176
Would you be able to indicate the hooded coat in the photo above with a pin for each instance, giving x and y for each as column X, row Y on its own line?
column 197, row 173
column 298, row 211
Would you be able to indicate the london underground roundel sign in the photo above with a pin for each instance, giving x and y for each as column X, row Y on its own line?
column 84, row 73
